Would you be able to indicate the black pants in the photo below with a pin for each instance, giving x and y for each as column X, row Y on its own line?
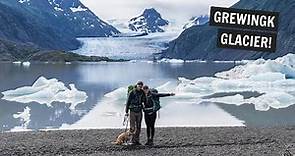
column 150, row 124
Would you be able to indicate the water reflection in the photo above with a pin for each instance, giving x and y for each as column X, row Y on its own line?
column 94, row 78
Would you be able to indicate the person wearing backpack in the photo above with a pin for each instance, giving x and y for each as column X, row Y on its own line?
column 150, row 111
column 135, row 101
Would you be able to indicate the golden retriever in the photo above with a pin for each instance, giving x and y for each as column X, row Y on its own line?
column 123, row 138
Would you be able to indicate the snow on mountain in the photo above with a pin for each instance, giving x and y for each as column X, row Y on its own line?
column 80, row 18
column 24, row 1
column 79, row 8
column 149, row 21
column 197, row 20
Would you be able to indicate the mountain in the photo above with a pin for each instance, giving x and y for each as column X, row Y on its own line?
column 199, row 42
column 80, row 19
column 197, row 20
column 50, row 24
column 149, row 21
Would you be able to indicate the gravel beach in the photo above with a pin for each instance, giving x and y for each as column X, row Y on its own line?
column 168, row 141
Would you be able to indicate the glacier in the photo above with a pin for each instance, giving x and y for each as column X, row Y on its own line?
column 128, row 45
column 46, row 91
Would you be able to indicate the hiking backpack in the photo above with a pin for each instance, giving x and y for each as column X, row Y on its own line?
column 156, row 101
column 130, row 89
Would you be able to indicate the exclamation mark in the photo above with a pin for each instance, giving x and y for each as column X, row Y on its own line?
column 270, row 41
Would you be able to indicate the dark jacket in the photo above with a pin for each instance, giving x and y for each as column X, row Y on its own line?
column 135, row 101
column 154, row 96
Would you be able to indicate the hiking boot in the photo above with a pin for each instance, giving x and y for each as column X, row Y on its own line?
column 149, row 142
column 136, row 143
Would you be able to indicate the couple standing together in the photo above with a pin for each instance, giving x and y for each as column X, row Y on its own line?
column 142, row 99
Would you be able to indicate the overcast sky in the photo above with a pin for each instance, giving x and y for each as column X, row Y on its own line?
column 170, row 9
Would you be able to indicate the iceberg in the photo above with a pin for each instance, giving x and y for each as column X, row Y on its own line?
column 283, row 65
column 172, row 61
column 46, row 91
column 26, row 64
column 273, row 79
column 25, row 118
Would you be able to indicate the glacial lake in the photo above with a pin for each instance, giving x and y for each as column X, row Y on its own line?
column 97, row 79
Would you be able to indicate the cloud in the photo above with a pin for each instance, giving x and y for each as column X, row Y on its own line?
column 180, row 10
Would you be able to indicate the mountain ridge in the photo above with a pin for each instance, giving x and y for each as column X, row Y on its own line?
column 48, row 26
column 150, row 21
column 199, row 42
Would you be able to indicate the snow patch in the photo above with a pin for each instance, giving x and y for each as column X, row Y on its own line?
column 24, row 1
column 78, row 9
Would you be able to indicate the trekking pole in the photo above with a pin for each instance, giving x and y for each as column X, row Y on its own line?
column 124, row 120
column 127, row 123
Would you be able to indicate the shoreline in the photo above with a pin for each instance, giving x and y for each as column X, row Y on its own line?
column 168, row 141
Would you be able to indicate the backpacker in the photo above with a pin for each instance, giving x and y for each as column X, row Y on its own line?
column 133, row 107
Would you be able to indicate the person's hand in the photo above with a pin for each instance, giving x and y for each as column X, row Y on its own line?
column 172, row 94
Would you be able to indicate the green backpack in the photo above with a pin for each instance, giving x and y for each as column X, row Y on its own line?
column 156, row 101
column 130, row 89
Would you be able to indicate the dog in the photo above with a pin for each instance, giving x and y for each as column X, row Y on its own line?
column 123, row 138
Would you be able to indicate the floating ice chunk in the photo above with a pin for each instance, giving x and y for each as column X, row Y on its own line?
column 119, row 93
column 106, row 114
column 26, row 64
column 288, row 59
column 167, row 87
column 46, row 91
column 274, row 79
column 17, row 62
column 172, row 61
column 268, row 76
column 24, row 118
column 272, row 99
column 283, row 65
column 236, row 99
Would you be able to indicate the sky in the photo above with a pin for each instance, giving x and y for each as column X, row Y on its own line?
column 179, row 10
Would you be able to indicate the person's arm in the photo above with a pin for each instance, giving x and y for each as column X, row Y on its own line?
column 163, row 94
column 144, row 100
column 128, row 102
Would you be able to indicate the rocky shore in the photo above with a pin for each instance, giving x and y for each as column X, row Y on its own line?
column 169, row 141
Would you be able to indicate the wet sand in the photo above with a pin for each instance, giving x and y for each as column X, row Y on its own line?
column 168, row 141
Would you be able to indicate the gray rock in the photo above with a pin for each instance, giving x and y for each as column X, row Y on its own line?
column 168, row 141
